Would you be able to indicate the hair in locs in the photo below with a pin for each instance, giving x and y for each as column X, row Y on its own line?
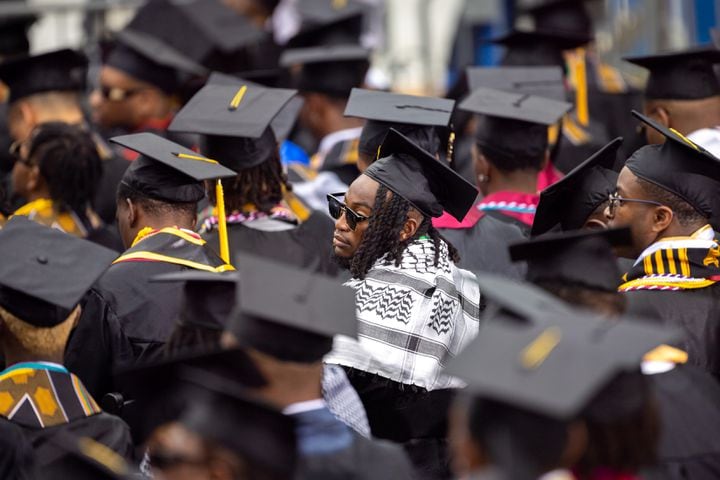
column 382, row 237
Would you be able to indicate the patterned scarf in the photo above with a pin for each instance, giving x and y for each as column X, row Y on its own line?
column 412, row 319
column 278, row 212
column 40, row 395
column 44, row 211
column 677, row 263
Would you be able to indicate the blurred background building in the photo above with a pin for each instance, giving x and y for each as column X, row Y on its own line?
column 421, row 44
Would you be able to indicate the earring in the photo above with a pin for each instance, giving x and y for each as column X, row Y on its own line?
column 482, row 178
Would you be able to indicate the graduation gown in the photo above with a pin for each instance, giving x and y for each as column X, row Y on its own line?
column 125, row 317
column 483, row 237
column 45, row 400
column 307, row 245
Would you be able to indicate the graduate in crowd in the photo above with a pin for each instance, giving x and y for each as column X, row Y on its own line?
column 384, row 236
column 683, row 93
column 45, row 275
column 235, row 120
column 49, row 88
column 287, row 338
column 666, row 194
column 510, row 151
column 125, row 317
column 685, row 395
column 424, row 120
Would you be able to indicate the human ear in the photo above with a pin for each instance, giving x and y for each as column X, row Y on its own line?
column 132, row 213
column 409, row 229
column 662, row 218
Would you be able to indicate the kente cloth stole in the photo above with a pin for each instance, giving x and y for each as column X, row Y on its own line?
column 677, row 263
column 38, row 396
column 43, row 211
column 176, row 246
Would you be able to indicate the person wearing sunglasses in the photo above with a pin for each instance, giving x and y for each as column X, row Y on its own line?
column 667, row 195
column 138, row 87
column 415, row 307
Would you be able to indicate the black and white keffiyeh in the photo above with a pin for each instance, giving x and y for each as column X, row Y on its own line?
column 412, row 318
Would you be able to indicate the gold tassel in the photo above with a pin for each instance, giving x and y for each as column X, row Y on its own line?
column 539, row 349
column 235, row 102
column 222, row 222
column 451, row 146
column 579, row 79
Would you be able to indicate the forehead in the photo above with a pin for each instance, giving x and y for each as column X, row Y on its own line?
column 362, row 191
column 627, row 183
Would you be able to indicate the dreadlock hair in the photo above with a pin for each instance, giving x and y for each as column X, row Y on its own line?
column 154, row 207
column 262, row 186
column 683, row 211
column 382, row 237
column 69, row 163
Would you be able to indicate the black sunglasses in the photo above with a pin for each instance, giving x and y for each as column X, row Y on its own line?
column 337, row 207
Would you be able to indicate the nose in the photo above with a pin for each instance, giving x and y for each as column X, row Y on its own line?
column 609, row 214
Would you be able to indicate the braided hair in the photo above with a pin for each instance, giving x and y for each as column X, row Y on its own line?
column 262, row 186
column 69, row 162
column 382, row 237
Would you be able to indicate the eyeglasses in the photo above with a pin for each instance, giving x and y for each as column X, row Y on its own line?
column 616, row 200
column 337, row 208
column 117, row 94
column 15, row 152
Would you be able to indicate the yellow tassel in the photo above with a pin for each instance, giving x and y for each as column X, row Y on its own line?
column 539, row 349
column 685, row 139
column 451, row 146
column 579, row 77
column 222, row 223
column 339, row 4
column 194, row 157
column 235, row 102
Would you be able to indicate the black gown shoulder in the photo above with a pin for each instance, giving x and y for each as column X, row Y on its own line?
column 309, row 245
column 696, row 312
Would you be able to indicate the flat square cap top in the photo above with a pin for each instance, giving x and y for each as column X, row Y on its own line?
column 540, row 81
column 45, row 272
column 397, row 108
column 515, row 106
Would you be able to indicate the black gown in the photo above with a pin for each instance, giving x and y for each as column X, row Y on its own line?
column 308, row 245
column 483, row 248
column 696, row 312
column 125, row 317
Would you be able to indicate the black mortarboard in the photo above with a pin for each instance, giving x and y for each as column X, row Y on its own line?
column 206, row 31
column 208, row 297
column 582, row 258
column 546, row 82
column 328, row 22
column 679, row 166
column 503, row 293
column 297, row 318
column 66, row 455
column 14, row 34
column 60, row 70
column 684, row 75
column 258, row 433
column 405, row 113
column 513, row 124
column 569, row 202
column 537, row 48
column 430, row 185
column 156, row 393
column 167, row 171
column 282, row 123
column 333, row 70
column 555, row 364
column 562, row 16
column 44, row 272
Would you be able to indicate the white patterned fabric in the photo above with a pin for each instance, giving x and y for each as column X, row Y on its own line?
column 412, row 318
column 343, row 401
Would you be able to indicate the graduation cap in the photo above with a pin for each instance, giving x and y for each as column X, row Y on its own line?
column 679, row 166
column 44, row 272
column 430, row 185
column 258, row 433
column 404, row 113
column 206, row 31
column 14, row 34
column 562, row 16
column 328, row 22
column 156, row 393
column 332, row 70
column 557, row 363
column 208, row 297
column 60, row 70
column 570, row 201
column 525, row 48
column 171, row 173
column 81, row 458
column 546, row 82
column 297, row 325
column 683, row 75
column 235, row 119
column 513, row 124
column 582, row 258
column 504, row 292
